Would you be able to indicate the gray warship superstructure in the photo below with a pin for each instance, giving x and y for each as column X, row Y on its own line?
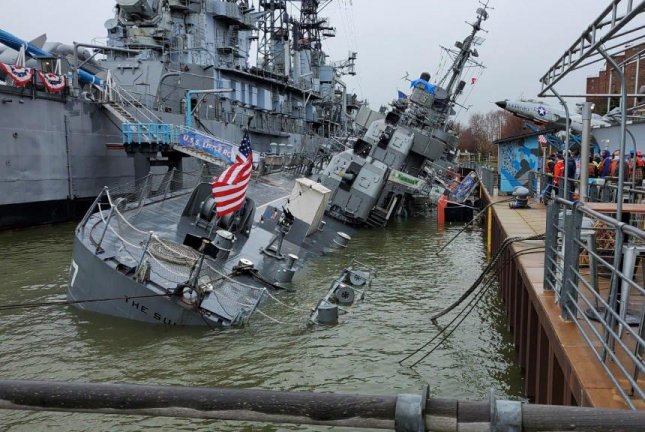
column 404, row 158
column 164, row 59
column 161, row 252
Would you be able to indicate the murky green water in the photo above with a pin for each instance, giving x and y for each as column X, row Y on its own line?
column 360, row 355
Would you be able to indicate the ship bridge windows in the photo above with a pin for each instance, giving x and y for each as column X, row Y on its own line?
column 51, row 64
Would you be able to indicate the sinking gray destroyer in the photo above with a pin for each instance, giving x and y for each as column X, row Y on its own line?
column 159, row 252
column 162, row 60
column 403, row 160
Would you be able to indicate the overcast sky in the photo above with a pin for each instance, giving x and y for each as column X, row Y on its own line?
column 524, row 39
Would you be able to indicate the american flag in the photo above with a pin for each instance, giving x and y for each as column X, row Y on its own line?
column 542, row 140
column 229, row 189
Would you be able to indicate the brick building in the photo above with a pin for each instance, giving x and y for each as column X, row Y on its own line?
column 607, row 80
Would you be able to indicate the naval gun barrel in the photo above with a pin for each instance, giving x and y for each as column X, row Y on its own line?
column 16, row 43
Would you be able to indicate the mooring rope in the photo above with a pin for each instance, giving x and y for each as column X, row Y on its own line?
column 470, row 306
column 488, row 268
column 468, row 309
column 475, row 218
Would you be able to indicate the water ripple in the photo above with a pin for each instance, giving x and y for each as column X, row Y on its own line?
column 360, row 355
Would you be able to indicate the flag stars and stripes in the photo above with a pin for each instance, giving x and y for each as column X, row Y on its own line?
column 229, row 189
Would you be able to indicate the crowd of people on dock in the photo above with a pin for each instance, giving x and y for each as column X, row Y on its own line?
column 603, row 165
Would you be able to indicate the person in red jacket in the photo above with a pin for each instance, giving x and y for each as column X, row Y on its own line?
column 558, row 172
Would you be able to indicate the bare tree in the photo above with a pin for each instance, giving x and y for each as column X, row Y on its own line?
column 484, row 129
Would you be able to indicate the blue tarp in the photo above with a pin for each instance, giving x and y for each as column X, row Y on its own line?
column 430, row 88
column 16, row 43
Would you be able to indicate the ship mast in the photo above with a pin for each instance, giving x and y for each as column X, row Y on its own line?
column 466, row 50
column 273, row 48
column 311, row 29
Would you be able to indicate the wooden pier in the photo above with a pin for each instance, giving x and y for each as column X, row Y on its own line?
column 560, row 368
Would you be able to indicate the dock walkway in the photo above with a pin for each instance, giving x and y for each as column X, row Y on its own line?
column 559, row 365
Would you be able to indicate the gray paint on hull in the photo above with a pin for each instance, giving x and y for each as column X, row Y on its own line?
column 92, row 278
column 609, row 137
column 50, row 150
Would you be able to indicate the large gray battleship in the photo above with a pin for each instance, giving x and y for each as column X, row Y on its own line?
column 163, row 58
column 162, row 253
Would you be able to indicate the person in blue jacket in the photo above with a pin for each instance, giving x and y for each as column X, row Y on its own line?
column 604, row 169
column 571, row 175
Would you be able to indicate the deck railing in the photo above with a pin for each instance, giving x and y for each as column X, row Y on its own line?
column 591, row 264
column 113, row 220
column 598, row 189
column 487, row 175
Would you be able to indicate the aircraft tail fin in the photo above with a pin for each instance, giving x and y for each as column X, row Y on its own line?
column 39, row 41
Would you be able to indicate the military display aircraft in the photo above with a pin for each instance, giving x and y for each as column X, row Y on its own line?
column 545, row 114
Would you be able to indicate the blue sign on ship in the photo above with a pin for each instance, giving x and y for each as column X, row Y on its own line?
column 207, row 144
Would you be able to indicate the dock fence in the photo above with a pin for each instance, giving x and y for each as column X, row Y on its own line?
column 590, row 263
column 487, row 175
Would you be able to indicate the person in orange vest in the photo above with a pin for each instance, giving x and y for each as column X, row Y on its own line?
column 614, row 169
column 548, row 178
column 592, row 168
column 604, row 165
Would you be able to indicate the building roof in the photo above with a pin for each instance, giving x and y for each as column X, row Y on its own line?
column 524, row 136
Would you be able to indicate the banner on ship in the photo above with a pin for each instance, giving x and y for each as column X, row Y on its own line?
column 206, row 144
column 21, row 76
column 52, row 82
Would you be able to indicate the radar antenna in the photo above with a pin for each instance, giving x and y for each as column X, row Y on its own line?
column 311, row 29
column 467, row 48
column 273, row 48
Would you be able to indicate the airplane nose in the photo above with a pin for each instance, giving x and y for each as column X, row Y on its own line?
column 501, row 104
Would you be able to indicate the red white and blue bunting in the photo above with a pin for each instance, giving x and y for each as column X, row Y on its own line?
column 53, row 83
column 21, row 76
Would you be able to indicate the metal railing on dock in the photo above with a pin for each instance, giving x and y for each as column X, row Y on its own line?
column 591, row 264
column 487, row 175
column 598, row 189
